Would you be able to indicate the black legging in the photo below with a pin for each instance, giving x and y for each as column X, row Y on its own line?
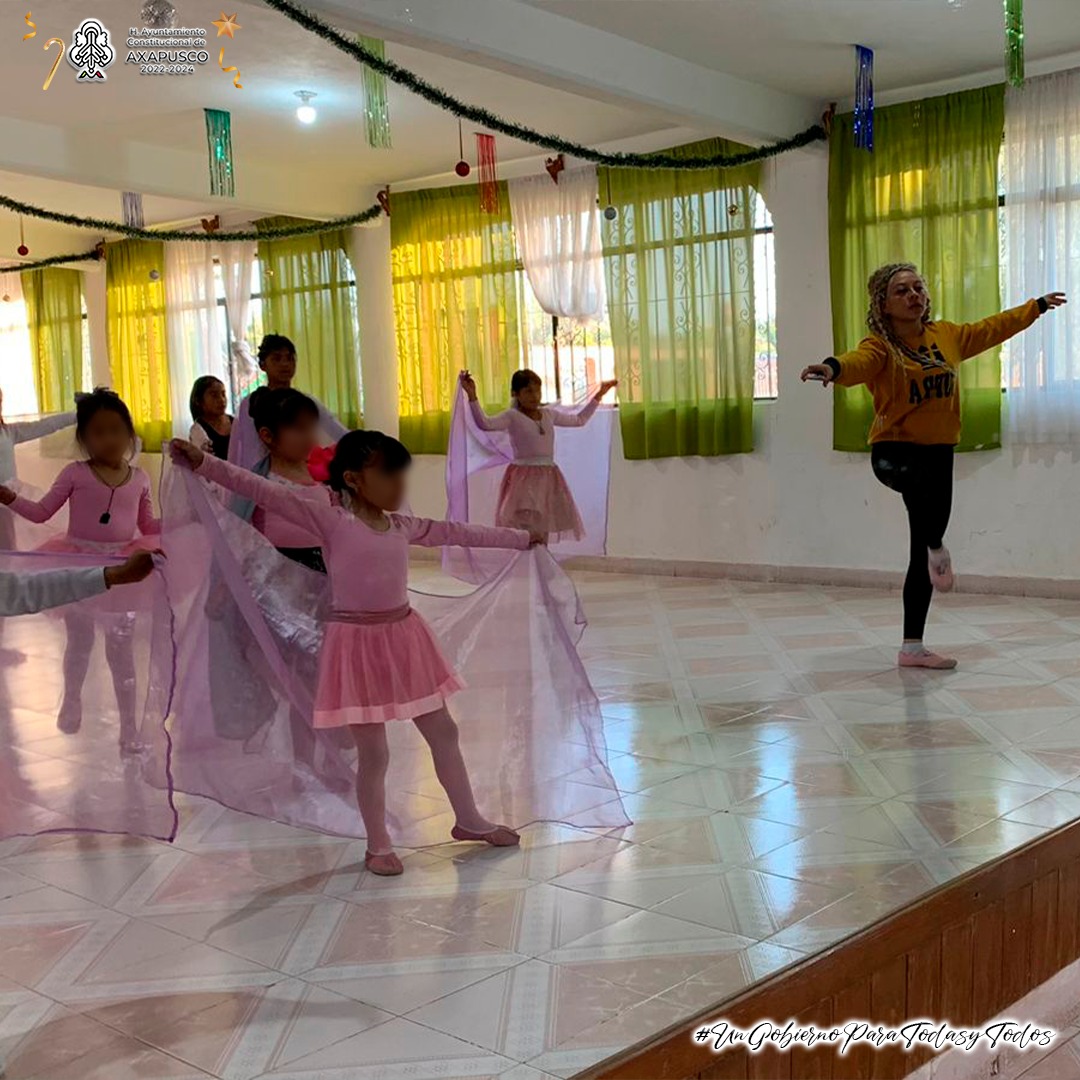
column 924, row 477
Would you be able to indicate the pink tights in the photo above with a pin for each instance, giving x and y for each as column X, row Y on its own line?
column 373, row 757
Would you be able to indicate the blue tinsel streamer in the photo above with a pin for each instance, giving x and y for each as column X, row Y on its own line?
column 864, row 98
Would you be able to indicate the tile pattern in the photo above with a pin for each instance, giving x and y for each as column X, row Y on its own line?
column 788, row 786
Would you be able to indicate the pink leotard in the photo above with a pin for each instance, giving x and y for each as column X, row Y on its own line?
column 129, row 515
column 532, row 440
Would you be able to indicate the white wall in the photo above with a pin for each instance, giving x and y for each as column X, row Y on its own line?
column 794, row 501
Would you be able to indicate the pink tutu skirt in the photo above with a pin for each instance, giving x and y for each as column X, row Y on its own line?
column 370, row 673
column 537, row 497
column 124, row 598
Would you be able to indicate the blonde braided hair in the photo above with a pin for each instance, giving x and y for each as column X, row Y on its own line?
column 879, row 323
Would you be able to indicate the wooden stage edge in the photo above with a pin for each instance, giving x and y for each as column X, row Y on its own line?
column 960, row 953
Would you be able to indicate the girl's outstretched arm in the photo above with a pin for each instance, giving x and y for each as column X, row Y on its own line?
column 425, row 532
column 484, row 422
column 29, row 430
column 39, row 510
column 566, row 418
column 319, row 518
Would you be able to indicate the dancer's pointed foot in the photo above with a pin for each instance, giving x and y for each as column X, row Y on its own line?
column 496, row 836
column 941, row 571
column 924, row 658
column 385, row 865
column 69, row 719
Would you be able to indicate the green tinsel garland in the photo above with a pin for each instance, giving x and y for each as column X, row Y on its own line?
column 135, row 233
column 493, row 122
column 53, row 260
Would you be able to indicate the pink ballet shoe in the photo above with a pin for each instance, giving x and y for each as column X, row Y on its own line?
column 388, row 865
column 500, row 836
column 926, row 659
column 941, row 571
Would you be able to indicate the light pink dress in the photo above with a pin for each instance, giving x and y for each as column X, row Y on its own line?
column 534, row 493
column 379, row 660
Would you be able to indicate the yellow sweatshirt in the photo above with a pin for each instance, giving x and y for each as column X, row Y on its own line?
column 920, row 402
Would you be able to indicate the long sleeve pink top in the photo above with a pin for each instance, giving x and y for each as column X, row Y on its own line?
column 131, row 512
column 532, row 440
column 280, row 530
column 368, row 569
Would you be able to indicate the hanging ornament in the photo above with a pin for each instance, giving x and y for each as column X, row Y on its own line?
column 864, row 98
column 158, row 15
column 383, row 198
column 7, row 298
column 610, row 213
column 554, row 166
column 219, row 141
column 132, row 208
column 155, row 275
column 485, row 162
column 211, row 225
column 22, row 249
column 1014, row 42
column 462, row 168
column 376, row 105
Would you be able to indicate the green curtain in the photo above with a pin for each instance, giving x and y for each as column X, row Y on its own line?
column 138, row 343
column 456, row 305
column 308, row 294
column 54, row 313
column 679, row 261
column 927, row 194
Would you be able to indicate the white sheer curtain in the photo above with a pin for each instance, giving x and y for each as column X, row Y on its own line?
column 237, row 258
column 558, row 235
column 1042, row 254
column 191, row 325
column 16, row 353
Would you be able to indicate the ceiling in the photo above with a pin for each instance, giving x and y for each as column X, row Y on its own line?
column 643, row 73
column 804, row 46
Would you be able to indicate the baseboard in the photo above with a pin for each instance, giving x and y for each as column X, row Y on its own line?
column 844, row 577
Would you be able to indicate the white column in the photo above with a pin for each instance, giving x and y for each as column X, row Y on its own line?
column 375, row 310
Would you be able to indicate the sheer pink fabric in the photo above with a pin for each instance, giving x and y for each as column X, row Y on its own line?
column 78, row 780
column 249, row 625
column 476, row 461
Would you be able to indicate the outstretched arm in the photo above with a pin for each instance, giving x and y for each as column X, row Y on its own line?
column 862, row 365
column 27, row 594
column 977, row 337
column 29, row 430
column 319, row 518
column 425, row 532
column 41, row 509
column 481, row 418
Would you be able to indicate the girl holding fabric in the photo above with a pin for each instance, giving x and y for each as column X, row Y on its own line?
column 911, row 365
column 534, row 493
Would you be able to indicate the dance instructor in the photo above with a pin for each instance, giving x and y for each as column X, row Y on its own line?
column 911, row 365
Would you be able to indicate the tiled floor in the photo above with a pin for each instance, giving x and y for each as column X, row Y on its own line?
column 787, row 784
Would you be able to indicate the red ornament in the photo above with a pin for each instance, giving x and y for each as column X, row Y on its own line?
column 23, row 249
column 463, row 168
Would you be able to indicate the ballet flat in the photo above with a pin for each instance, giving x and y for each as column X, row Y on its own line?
column 388, row 865
column 500, row 836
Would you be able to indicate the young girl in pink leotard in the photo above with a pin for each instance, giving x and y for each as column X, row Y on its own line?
column 534, row 493
column 109, row 511
column 379, row 660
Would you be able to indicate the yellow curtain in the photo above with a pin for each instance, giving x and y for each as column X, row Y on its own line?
column 308, row 295
column 138, row 351
column 54, row 313
column 456, row 306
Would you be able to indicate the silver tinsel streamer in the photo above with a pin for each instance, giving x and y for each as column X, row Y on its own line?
column 158, row 14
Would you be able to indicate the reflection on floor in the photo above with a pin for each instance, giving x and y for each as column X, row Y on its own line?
column 788, row 785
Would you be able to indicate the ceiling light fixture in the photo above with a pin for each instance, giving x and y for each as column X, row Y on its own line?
column 305, row 112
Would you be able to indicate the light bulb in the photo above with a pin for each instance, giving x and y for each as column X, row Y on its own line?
column 305, row 112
